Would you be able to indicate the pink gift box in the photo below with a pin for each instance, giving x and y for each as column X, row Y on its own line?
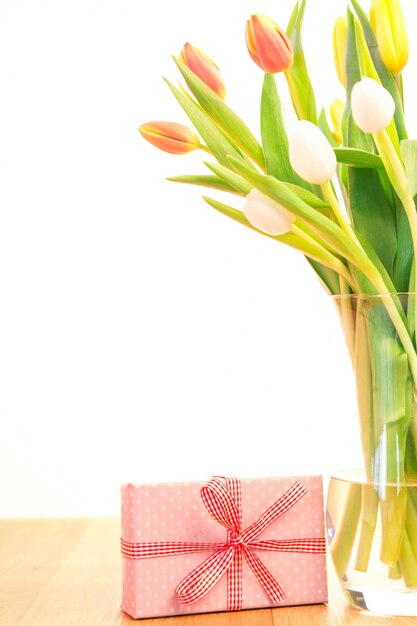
column 160, row 514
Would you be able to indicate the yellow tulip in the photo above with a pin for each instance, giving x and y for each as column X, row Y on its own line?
column 389, row 27
column 339, row 48
column 170, row 137
column 336, row 112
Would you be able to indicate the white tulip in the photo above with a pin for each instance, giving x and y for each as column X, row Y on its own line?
column 311, row 155
column 266, row 215
column 372, row 106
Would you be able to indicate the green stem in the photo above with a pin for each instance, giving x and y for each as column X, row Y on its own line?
column 368, row 524
column 411, row 519
column 364, row 386
column 342, row 543
column 331, row 198
column 411, row 304
column 399, row 83
column 346, row 315
column 363, row 377
column 408, row 562
column 390, row 376
column 393, row 502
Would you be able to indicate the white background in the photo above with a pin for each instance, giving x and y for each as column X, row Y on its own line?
column 143, row 336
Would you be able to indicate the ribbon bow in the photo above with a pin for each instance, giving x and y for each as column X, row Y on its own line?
column 224, row 504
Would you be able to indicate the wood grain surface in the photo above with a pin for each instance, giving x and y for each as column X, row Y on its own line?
column 68, row 573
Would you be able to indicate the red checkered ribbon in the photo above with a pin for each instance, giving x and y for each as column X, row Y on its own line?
column 222, row 499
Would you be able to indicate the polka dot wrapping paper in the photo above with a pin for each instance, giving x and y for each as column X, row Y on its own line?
column 175, row 512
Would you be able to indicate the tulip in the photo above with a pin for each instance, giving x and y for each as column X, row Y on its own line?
column 203, row 67
column 268, row 45
column 311, row 155
column 266, row 215
column 339, row 48
column 170, row 137
column 372, row 106
column 336, row 112
column 389, row 27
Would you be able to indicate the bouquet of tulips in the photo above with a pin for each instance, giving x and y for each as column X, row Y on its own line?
column 344, row 196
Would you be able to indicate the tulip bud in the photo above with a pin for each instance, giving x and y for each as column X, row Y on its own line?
column 311, row 155
column 336, row 112
column 339, row 48
column 372, row 106
column 170, row 137
column 204, row 68
column 268, row 45
column 389, row 27
column 266, row 215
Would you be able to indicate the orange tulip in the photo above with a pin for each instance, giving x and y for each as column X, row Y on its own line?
column 268, row 45
column 204, row 68
column 170, row 137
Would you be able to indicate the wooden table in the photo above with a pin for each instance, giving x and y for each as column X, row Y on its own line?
column 68, row 573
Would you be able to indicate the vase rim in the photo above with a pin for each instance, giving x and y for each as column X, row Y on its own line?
column 358, row 477
column 371, row 296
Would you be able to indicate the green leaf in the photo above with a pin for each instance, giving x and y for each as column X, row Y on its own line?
column 411, row 308
column 409, row 157
column 308, row 197
column 213, row 137
column 364, row 56
column 385, row 75
column 373, row 216
column 405, row 254
column 358, row 158
column 274, row 136
column 229, row 211
column 297, row 76
column 223, row 115
column 212, row 182
column 230, row 178
column 367, row 287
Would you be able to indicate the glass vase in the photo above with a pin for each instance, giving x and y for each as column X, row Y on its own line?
column 372, row 514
